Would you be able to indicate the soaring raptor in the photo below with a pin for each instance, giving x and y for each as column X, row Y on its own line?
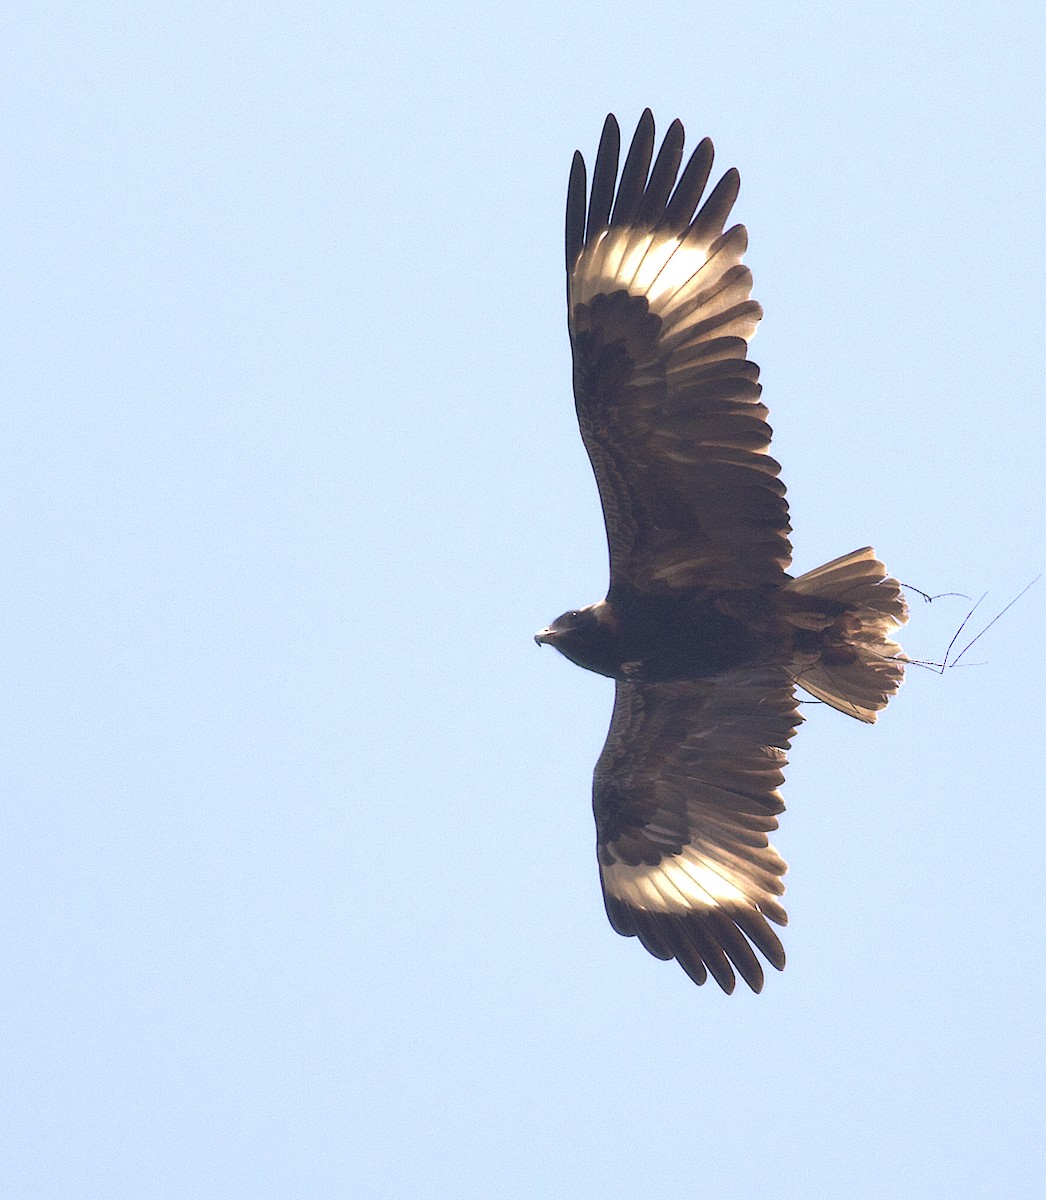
column 703, row 629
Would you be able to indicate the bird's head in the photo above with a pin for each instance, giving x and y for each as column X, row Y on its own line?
column 562, row 629
column 584, row 635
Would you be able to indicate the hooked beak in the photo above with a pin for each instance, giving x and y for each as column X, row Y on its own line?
column 543, row 635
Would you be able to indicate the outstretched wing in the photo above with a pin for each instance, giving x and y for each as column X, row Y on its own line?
column 685, row 793
column 659, row 316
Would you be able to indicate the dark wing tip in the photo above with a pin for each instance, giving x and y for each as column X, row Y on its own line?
column 754, row 926
column 604, row 176
column 715, row 210
column 632, row 186
column 663, row 175
column 576, row 201
column 679, row 211
column 718, row 942
column 644, row 195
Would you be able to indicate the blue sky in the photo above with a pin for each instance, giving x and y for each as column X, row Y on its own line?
column 298, row 886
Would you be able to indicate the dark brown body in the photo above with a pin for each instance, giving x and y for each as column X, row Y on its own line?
column 692, row 635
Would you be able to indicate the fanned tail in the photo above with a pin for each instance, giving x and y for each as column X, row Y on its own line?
column 857, row 667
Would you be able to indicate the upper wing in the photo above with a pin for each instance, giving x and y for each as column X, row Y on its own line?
column 659, row 316
column 685, row 793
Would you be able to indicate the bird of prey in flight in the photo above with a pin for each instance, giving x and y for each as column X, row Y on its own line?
column 703, row 629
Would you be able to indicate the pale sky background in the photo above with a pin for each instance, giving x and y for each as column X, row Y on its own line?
column 299, row 895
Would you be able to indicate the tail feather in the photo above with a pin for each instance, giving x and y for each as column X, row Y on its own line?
column 858, row 666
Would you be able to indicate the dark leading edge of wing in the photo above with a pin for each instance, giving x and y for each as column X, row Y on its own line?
column 668, row 404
